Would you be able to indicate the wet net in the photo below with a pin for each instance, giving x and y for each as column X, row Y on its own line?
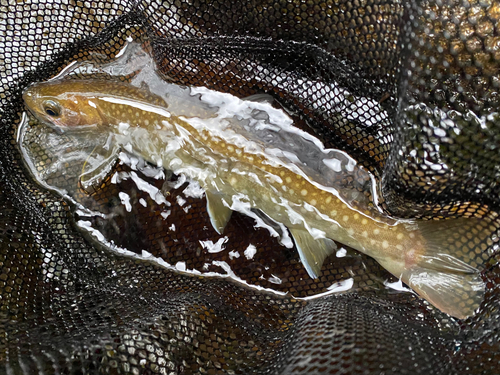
column 407, row 89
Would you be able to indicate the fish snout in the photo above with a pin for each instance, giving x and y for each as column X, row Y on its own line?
column 30, row 98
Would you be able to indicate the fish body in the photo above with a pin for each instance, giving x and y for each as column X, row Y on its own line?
column 431, row 257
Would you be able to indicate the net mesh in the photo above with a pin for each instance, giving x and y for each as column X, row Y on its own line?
column 408, row 89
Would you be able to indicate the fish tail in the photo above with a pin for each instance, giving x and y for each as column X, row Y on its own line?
column 448, row 274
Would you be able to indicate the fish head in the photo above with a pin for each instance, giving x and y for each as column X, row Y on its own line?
column 63, row 105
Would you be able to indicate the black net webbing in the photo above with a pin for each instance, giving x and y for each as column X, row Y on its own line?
column 409, row 89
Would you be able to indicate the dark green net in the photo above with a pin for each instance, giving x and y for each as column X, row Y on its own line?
column 71, row 306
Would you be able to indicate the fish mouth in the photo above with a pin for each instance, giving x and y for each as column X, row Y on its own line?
column 29, row 98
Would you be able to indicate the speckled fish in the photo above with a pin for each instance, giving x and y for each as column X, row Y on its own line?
column 437, row 259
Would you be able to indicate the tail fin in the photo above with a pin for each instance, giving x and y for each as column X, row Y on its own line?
column 448, row 275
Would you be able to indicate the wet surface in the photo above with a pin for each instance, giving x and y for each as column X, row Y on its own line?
column 143, row 210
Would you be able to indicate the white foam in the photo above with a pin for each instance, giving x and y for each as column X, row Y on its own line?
column 250, row 251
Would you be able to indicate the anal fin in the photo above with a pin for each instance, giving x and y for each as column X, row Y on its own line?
column 219, row 213
column 312, row 252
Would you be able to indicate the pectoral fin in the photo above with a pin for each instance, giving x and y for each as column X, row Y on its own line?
column 312, row 252
column 97, row 167
column 219, row 213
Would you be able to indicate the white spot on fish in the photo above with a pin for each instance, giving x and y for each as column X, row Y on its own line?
column 364, row 221
column 303, row 192
column 385, row 244
column 400, row 236
column 376, row 231
column 345, row 218
column 333, row 213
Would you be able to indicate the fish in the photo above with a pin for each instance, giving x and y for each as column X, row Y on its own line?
column 437, row 259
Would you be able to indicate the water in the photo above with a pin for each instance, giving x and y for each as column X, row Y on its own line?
column 142, row 210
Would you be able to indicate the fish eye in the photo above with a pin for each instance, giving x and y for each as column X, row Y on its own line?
column 52, row 108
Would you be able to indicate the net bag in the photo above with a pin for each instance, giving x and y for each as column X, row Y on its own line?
column 409, row 90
